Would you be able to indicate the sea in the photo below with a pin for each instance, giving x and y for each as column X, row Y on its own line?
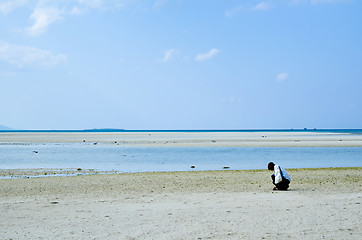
column 105, row 157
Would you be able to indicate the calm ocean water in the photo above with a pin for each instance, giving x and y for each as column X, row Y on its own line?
column 136, row 159
column 352, row 131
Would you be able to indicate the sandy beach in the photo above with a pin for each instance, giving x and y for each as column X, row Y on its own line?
column 191, row 139
column 227, row 204
column 321, row 204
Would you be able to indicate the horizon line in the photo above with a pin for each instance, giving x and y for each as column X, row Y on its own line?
column 182, row 130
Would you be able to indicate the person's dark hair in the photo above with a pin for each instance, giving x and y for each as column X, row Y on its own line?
column 271, row 166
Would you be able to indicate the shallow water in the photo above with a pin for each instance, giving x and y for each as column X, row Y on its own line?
column 136, row 159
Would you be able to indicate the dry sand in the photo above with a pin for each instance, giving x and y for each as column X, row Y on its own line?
column 192, row 139
column 321, row 204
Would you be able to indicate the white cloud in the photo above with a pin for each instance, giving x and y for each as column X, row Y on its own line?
column 8, row 6
column 76, row 11
column 160, row 3
column 205, row 56
column 328, row 1
column 43, row 18
column 92, row 3
column 282, row 77
column 268, row 4
column 169, row 54
column 233, row 11
column 103, row 4
column 318, row 1
column 21, row 56
column 299, row 1
column 263, row 6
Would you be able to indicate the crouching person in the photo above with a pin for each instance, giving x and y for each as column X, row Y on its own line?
column 281, row 178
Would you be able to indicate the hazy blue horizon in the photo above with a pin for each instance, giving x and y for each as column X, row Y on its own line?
column 351, row 131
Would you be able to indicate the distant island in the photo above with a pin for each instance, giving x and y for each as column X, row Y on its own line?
column 2, row 127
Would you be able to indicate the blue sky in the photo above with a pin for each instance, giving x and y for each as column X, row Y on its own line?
column 177, row 64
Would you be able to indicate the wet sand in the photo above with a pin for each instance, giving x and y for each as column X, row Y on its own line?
column 321, row 204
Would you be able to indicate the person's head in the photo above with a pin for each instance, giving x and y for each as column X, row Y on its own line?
column 271, row 166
